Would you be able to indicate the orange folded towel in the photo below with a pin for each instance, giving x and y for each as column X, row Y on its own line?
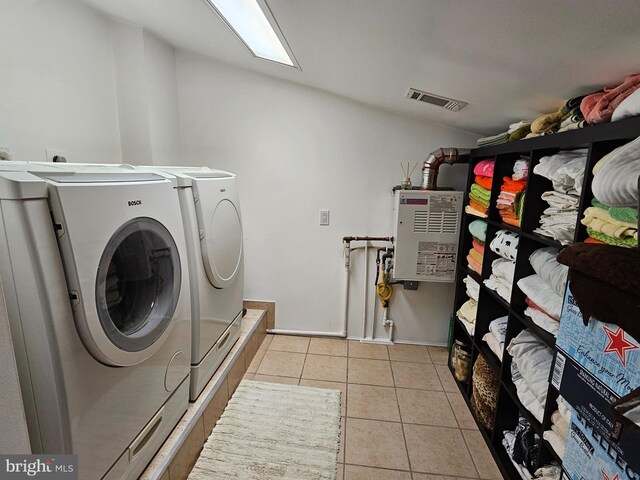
column 476, row 206
column 474, row 264
column 484, row 182
column 513, row 186
column 511, row 221
column 594, row 240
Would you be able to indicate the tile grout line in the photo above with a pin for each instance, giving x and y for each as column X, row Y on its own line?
column 404, row 436
column 346, row 414
column 473, row 460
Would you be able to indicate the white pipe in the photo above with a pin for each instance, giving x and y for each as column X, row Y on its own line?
column 375, row 315
column 304, row 333
column 347, row 262
column 347, row 269
column 387, row 322
column 366, row 290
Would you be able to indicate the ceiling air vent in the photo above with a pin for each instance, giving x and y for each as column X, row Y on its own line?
column 444, row 102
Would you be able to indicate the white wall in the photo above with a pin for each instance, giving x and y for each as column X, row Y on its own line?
column 57, row 86
column 131, row 93
column 162, row 98
column 297, row 150
column 147, row 95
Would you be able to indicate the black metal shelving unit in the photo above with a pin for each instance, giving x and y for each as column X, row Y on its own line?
column 599, row 140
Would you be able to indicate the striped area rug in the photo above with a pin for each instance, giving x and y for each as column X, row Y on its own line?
column 273, row 431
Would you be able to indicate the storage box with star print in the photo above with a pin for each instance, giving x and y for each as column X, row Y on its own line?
column 590, row 456
column 594, row 366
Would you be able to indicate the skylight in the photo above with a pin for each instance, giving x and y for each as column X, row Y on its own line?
column 253, row 23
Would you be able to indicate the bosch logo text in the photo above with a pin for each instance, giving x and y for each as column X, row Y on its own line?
column 133, row 203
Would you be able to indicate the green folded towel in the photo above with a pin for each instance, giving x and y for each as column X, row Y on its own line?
column 481, row 192
column 519, row 207
column 480, row 201
column 628, row 242
column 624, row 214
column 520, row 133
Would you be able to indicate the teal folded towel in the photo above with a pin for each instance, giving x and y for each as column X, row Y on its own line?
column 478, row 229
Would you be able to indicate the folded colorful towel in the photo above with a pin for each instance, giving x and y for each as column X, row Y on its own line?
column 547, row 122
column 476, row 255
column 599, row 107
column 594, row 240
column 478, row 203
column 627, row 242
column 478, row 246
column 478, row 229
column 573, row 126
column 480, row 192
column 493, row 139
column 476, row 213
column 600, row 221
column 513, row 186
column 572, row 104
column 474, row 264
column 520, row 133
column 480, row 208
column 624, row 214
column 629, row 107
column 484, row 182
column 484, row 168
column 520, row 205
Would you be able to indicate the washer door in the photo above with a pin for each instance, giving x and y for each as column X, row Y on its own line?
column 220, row 226
column 137, row 287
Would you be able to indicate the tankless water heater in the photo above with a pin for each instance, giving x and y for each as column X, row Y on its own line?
column 427, row 228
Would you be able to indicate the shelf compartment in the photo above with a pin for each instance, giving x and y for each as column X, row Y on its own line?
column 501, row 301
column 536, row 237
column 494, row 362
column 540, row 332
column 513, row 394
column 551, row 453
column 465, row 270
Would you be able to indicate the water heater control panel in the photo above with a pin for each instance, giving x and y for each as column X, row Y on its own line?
column 427, row 230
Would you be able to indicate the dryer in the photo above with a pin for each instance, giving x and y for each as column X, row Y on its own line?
column 210, row 206
column 94, row 273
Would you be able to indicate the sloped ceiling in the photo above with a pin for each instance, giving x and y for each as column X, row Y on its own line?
column 509, row 59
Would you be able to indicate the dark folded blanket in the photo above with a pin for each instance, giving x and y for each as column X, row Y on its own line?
column 605, row 282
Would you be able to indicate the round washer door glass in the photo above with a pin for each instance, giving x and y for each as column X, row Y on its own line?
column 138, row 284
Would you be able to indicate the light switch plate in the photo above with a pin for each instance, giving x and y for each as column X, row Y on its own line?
column 324, row 217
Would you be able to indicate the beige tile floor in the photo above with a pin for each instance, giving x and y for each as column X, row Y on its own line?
column 403, row 417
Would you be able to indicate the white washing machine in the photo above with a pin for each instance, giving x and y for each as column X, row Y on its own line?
column 213, row 228
column 94, row 272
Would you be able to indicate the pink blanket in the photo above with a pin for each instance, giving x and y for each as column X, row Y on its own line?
column 484, row 168
column 598, row 107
